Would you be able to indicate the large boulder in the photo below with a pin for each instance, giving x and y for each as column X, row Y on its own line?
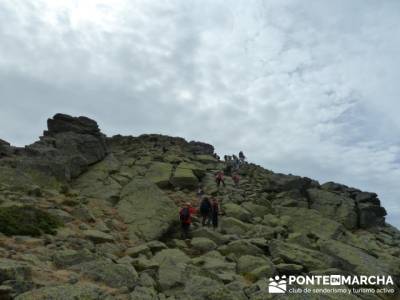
column 109, row 273
column 159, row 173
column 257, row 210
column 148, row 212
column 296, row 254
column 213, row 235
column 98, row 182
column 310, row 221
column 68, row 147
column 334, row 206
column 216, row 264
column 201, row 148
column 184, row 176
column 371, row 215
column 200, row 287
column 280, row 182
column 237, row 211
column 248, row 263
column 354, row 259
column 203, row 244
column 239, row 248
column 5, row 148
column 172, row 263
column 70, row 257
column 368, row 208
column 232, row 225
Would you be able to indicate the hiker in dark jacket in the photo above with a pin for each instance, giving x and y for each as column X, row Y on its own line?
column 185, row 216
column 242, row 157
column 205, row 211
column 214, row 212
column 200, row 193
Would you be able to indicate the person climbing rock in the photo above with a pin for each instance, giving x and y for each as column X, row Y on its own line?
column 205, row 211
column 242, row 157
column 214, row 212
column 220, row 178
column 236, row 179
column 185, row 215
column 200, row 193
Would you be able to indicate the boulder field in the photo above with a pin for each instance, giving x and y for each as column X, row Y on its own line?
column 85, row 216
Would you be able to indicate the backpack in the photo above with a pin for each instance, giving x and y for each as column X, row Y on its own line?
column 185, row 215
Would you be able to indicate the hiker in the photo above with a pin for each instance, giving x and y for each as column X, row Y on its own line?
column 236, row 162
column 236, row 179
column 220, row 178
column 242, row 157
column 200, row 193
column 205, row 211
column 185, row 215
column 214, row 212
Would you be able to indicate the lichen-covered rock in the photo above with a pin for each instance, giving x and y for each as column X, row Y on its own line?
column 257, row 210
column 143, row 293
column 248, row 263
column 97, row 236
column 296, row 254
column 184, row 176
column 64, row 292
column 310, row 221
column 239, row 248
column 213, row 235
column 70, row 257
column 237, row 211
column 138, row 250
column 203, row 244
column 232, row 225
column 148, row 212
column 172, row 263
column 354, row 259
column 334, row 206
column 111, row 274
column 159, row 173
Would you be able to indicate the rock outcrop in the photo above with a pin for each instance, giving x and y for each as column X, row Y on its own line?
column 85, row 216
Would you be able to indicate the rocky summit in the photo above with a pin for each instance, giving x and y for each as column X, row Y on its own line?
column 85, row 216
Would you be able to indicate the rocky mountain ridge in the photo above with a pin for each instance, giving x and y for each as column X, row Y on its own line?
column 98, row 219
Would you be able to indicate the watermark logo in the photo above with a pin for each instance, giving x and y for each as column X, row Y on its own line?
column 277, row 285
column 327, row 284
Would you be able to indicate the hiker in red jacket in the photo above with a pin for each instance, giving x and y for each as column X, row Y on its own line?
column 236, row 179
column 220, row 178
column 185, row 215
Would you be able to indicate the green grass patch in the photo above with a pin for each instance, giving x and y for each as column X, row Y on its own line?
column 27, row 220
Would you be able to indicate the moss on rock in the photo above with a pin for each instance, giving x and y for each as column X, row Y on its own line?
column 27, row 220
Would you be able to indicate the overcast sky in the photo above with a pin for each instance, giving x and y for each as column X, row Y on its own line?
column 307, row 87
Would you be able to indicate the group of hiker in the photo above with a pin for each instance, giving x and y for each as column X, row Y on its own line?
column 234, row 161
column 209, row 211
column 209, row 206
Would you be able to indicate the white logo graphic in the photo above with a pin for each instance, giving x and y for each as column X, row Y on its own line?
column 277, row 285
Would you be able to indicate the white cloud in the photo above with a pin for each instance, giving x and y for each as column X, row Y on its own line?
column 308, row 88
